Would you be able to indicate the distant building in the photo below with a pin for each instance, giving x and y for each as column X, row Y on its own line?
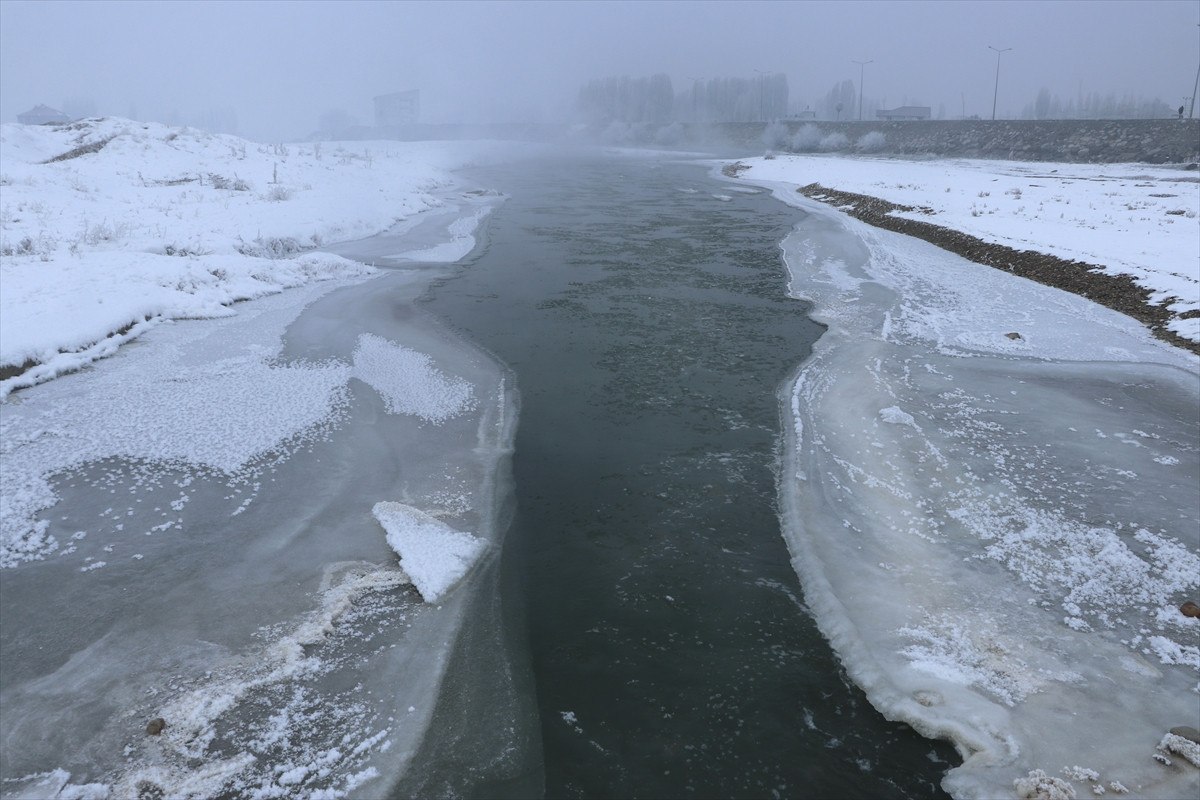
column 42, row 115
column 905, row 112
column 397, row 108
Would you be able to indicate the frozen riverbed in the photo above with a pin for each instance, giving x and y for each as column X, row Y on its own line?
column 190, row 537
column 990, row 495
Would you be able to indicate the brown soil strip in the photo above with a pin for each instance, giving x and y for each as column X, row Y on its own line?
column 13, row 370
column 1118, row 292
column 82, row 150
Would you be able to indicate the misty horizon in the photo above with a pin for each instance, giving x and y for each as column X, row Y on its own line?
column 270, row 71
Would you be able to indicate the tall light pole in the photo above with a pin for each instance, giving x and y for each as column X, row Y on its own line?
column 862, row 69
column 762, row 79
column 996, row 92
column 1195, row 88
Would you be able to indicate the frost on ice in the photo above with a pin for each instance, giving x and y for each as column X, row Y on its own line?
column 409, row 382
column 434, row 555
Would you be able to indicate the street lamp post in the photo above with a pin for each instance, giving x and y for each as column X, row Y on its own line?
column 862, row 69
column 996, row 92
column 1195, row 90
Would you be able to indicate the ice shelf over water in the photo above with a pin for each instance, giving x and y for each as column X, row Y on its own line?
column 996, row 531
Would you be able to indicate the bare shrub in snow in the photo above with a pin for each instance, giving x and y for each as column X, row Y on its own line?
column 41, row 246
column 775, row 136
column 271, row 247
column 834, row 141
column 103, row 232
column 806, row 140
column 279, row 193
column 185, row 250
column 871, row 142
column 221, row 182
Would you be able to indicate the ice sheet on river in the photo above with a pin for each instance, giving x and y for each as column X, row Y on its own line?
column 990, row 493
column 188, row 535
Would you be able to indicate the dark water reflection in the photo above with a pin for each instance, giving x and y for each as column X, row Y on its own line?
column 647, row 324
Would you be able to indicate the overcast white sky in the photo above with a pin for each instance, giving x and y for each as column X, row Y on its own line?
column 280, row 65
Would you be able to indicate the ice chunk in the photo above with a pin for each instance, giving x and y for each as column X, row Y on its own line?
column 434, row 555
column 894, row 415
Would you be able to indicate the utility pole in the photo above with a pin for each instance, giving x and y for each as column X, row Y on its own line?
column 862, row 69
column 996, row 93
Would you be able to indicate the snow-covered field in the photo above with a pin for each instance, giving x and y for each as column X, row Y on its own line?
column 1131, row 219
column 131, row 223
column 991, row 488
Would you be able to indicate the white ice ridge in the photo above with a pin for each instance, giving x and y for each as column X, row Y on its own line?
column 434, row 555
column 460, row 244
column 408, row 382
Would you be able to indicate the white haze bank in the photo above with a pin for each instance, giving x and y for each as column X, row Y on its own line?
column 187, row 529
column 990, row 492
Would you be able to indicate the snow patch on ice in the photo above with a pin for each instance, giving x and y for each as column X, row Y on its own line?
column 408, row 381
column 976, row 655
column 434, row 555
column 192, row 403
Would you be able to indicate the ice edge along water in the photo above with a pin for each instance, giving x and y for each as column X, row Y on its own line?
column 409, row 383
column 941, row 602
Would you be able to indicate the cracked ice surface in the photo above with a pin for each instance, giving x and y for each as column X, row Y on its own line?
column 996, row 533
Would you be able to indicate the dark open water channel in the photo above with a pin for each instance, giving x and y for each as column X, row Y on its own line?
column 647, row 324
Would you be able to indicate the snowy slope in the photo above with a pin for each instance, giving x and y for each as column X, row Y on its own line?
column 109, row 223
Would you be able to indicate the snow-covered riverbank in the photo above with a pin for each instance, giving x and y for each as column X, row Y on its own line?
column 109, row 226
column 989, row 492
column 1137, row 220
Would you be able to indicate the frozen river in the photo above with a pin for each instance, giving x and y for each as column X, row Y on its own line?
column 643, row 309
column 673, row 491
